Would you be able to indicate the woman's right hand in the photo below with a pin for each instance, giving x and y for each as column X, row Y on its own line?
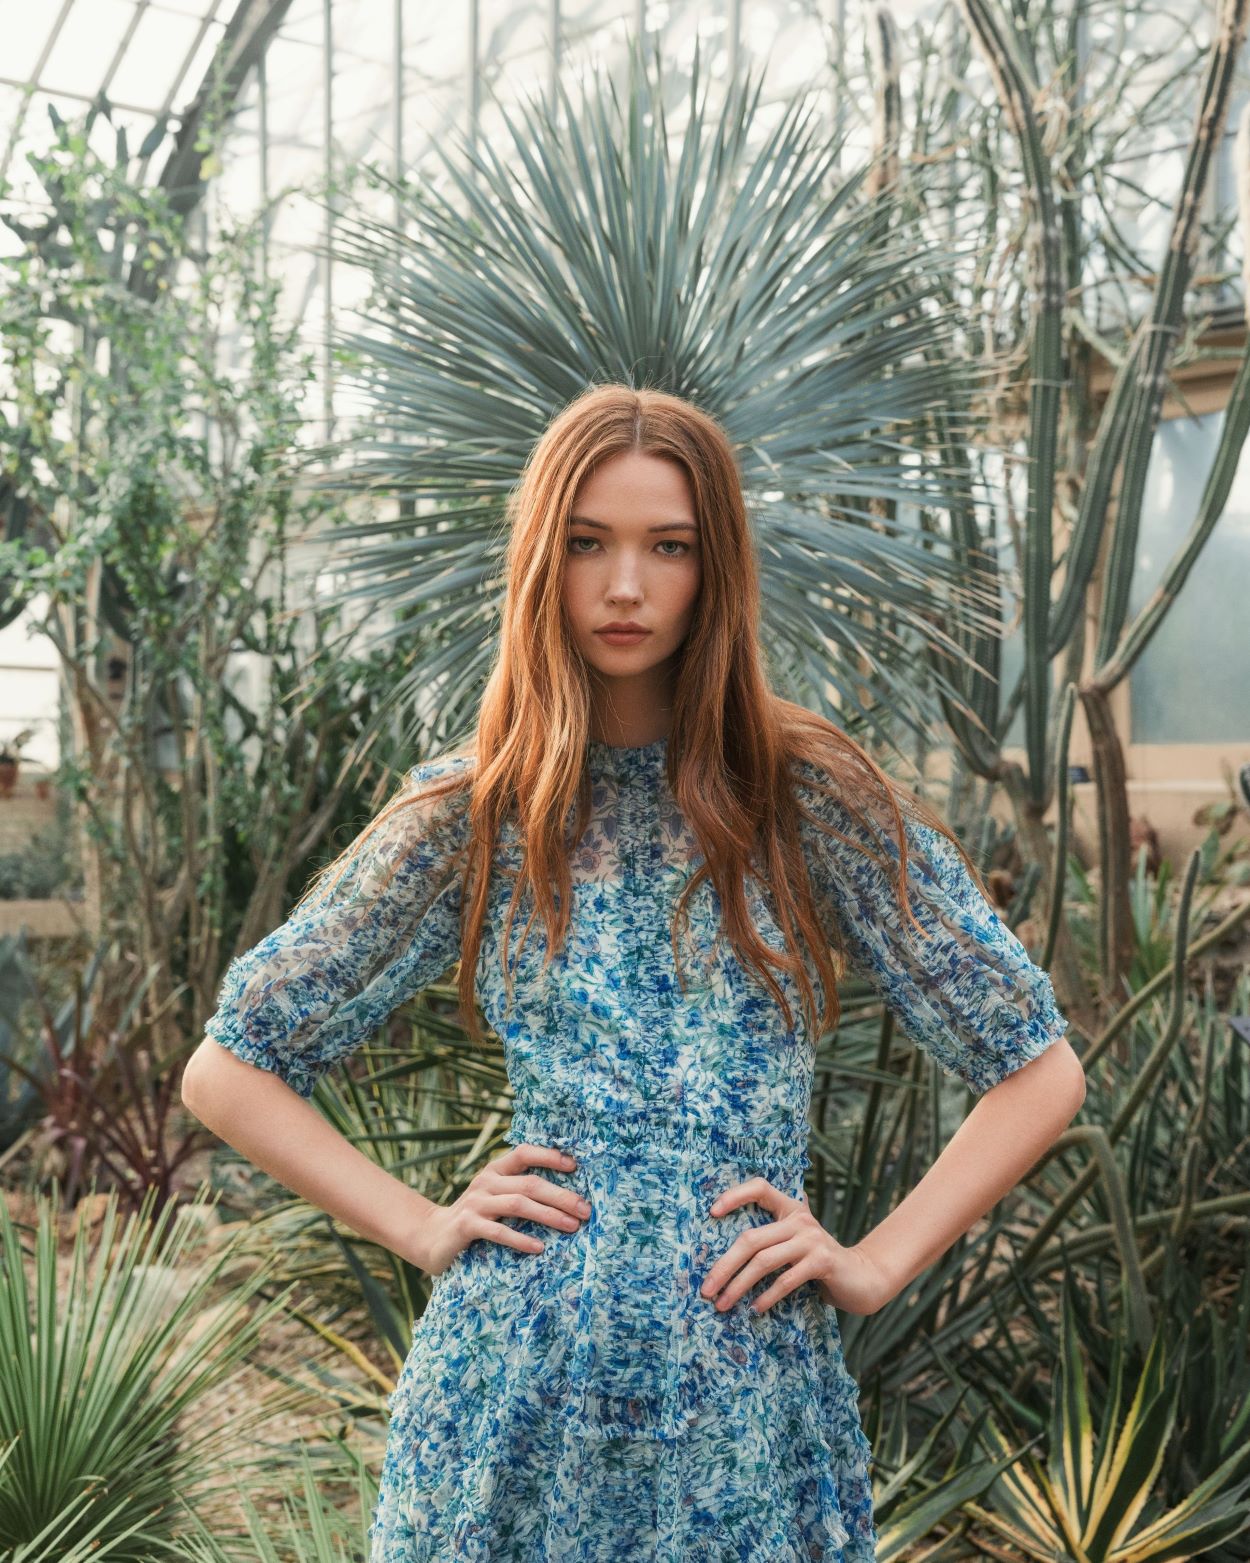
column 502, row 1188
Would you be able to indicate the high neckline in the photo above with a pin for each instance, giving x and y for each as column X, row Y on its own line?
column 627, row 759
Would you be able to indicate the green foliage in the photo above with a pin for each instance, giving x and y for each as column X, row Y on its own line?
column 1168, row 1203
column 103, row 1368
column 1090, row 1498
column 40, row 869
column 312, row 1529
column 153, row 484
column 223, row 725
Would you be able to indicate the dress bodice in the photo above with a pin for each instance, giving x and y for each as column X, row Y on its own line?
column 604, row 1045
column 605, row 1034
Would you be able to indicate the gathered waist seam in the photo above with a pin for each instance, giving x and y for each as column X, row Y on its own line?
column 577, row 1131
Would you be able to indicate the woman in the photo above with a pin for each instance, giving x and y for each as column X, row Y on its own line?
column 631, row 1349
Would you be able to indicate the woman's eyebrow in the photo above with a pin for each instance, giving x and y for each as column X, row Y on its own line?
column 662, row 526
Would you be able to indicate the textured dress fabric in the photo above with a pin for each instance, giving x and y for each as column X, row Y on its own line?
column 586, row 1402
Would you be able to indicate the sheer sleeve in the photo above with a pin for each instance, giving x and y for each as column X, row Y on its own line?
column 323, row 982
column 969, row 995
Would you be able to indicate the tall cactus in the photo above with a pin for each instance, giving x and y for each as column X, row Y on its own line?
column 1121, row 447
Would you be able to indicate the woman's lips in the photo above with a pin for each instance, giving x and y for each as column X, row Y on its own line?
column 622, row 637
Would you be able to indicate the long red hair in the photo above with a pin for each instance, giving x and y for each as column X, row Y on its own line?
column 733, row 743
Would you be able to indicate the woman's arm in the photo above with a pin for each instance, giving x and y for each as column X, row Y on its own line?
column 273, row 1126
column 361, row 944
column 1004, row 1134
column 313, row 990
column 1008, row 1129
column 968, row 993
column 971, row 997
column 1011, row 1125
column 254, row 1111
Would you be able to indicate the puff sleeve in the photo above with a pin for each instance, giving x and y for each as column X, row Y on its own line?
column 969, row 995
column 323, row 982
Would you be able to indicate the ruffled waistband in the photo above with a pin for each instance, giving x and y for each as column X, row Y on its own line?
column 779, row 1154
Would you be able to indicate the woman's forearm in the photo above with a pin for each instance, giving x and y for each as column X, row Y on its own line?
column 1001, row 1138
column 259, row 1115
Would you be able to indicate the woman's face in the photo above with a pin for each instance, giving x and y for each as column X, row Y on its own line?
column 632, row 554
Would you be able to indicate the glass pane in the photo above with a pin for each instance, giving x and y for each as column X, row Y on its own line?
column 86, row 46
column 161, row 42
column 25, row 29
column 1190, row 684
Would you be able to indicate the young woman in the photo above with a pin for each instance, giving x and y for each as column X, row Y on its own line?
column 631, row 1350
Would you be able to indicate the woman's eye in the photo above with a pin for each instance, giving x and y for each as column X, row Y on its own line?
column 668, row 542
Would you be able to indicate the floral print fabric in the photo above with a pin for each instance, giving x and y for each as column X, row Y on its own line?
column 969, row 995
column 586, row 1402
column 317, row 987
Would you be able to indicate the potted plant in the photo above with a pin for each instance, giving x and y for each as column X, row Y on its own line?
column 10, row 755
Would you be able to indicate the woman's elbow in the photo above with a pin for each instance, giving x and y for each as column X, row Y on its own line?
column 202, row 1072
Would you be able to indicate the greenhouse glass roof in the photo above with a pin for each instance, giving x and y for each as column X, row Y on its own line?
column 315, row 89
column 147, row 57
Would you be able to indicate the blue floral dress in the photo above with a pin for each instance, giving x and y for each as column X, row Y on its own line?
column 586, row 1402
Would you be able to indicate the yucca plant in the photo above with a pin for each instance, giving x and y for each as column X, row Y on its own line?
column 313, row 1527
column 763, row 281
column 100, row 1537
column 730, row 261
column 103, row 1374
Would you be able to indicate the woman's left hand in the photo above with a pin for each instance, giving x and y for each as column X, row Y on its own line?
column 847, row 1277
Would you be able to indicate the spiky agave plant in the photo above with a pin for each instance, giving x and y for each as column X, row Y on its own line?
column 102, row 1372
column 731, row 262
column 1092, row 1498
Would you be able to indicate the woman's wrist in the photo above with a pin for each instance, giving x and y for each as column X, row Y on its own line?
column 410, row 1239
column 877, row 1255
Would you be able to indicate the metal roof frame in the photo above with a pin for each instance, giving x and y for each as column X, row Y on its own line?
column 243, row 42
